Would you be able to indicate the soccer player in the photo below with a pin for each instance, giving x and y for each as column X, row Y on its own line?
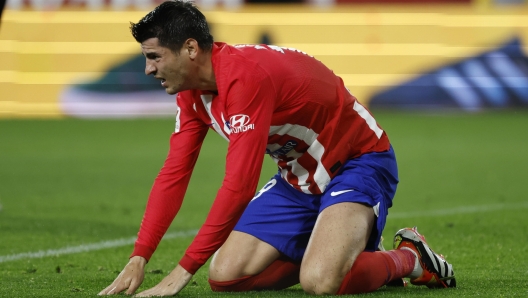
column 319, row 220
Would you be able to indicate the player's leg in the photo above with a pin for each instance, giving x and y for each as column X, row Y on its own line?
column 245, row 263
column 241, row 255
column 266, row 247
column 336, row 262
column 353, row 212
column 340, row 235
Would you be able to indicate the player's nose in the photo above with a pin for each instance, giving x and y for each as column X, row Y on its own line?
column 150, row 69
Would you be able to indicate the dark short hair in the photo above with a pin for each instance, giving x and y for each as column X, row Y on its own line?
column 173, row 22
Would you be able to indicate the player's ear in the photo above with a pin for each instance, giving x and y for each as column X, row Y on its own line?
column 191, row 46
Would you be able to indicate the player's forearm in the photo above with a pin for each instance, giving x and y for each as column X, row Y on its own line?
column 161, row 210
column 168, row 191
column 238, row 188
column 224, row 214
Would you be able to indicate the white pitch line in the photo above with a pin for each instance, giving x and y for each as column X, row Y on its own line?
column 130, row 240
column 87, row 247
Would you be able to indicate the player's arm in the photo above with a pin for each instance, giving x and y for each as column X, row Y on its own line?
column 244, row 161
column 166, row 196
column 254, row 97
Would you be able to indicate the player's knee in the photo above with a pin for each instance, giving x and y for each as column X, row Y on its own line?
column 320, row 282
column 224, row 278
column 222, row 270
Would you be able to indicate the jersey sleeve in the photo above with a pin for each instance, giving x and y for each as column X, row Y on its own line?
column 169, row 187
column 252, row 98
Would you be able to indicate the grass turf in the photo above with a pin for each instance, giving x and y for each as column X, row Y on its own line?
column 65, row 183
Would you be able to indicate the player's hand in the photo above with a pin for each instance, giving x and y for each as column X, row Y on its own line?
column 170, row 285
column 129, row 279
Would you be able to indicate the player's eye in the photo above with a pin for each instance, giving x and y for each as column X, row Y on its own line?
column 153, row 57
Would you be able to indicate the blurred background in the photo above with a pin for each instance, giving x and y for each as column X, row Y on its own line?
column 76, row 58
column 447, row 80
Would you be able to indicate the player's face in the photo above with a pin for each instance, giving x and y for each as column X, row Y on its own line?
column 172, row 69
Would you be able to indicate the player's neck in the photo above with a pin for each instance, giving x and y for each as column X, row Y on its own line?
column 206, row 75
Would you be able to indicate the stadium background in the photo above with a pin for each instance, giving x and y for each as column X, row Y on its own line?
column 73, row 191
column 46, row 46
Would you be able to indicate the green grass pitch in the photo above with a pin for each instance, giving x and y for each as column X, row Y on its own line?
column 69, row 185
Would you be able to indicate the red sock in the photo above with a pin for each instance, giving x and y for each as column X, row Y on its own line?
column 371, row 270
column 281, row 274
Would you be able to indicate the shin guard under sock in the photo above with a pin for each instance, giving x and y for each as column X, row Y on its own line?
column 371, row 270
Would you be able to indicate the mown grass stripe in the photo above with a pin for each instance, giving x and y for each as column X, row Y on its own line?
column 130, row 240
column 87, row 247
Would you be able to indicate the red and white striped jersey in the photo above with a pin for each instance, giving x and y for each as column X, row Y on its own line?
column 270, row 100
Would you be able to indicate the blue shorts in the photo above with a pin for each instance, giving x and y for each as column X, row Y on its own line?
column 284, row 217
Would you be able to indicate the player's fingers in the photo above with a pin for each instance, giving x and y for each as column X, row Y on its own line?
column 134, row 284
column 115, row 288
column 107, row 289
column 103, row 292
column 121, row 286
column 111, row 289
